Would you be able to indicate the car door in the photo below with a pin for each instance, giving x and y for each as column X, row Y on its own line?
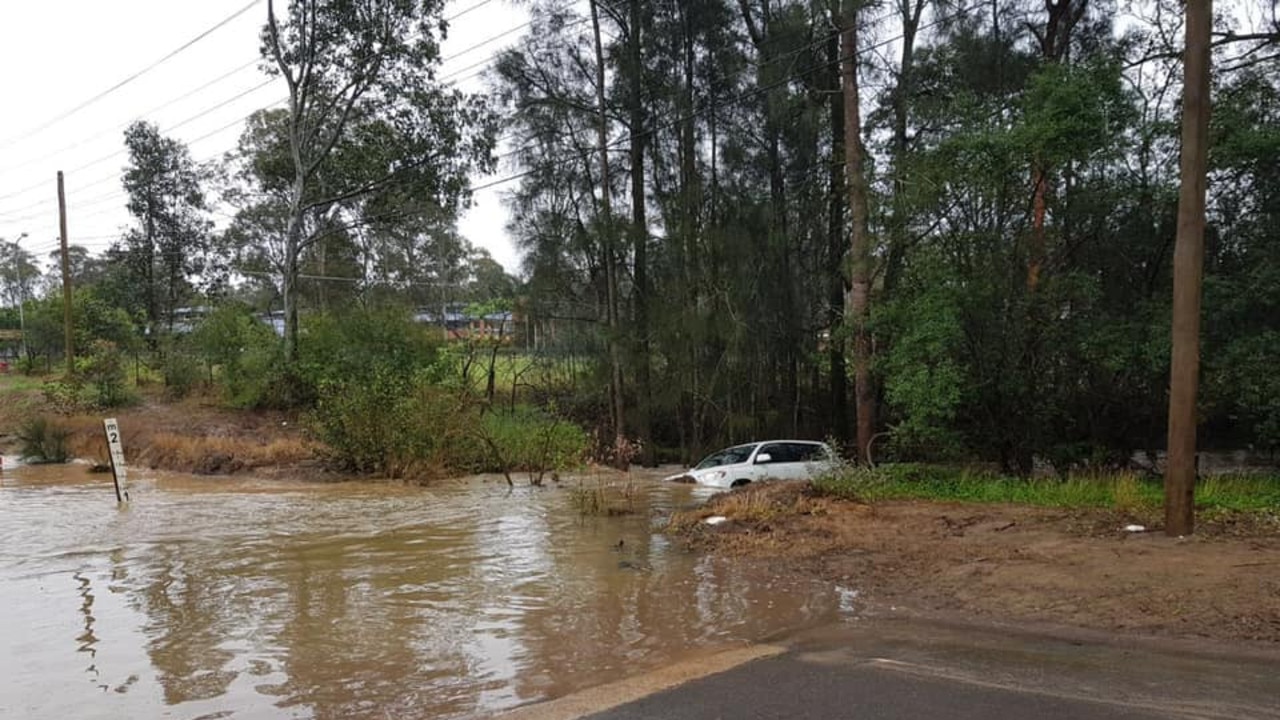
column 773, row 460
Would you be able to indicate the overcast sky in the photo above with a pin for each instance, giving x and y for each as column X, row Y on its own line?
column 58, row 55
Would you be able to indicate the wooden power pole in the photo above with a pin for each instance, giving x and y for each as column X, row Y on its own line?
column 1188, row 269
column 66, row 278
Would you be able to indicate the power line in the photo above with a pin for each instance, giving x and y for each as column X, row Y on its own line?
column 460, row 13
column 37, row 186
column 41, row 184
column 68, row 113
column 124, row 125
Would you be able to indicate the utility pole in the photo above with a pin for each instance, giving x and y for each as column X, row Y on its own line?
column 22, row 295
column 66, row 277
column 1188, row 270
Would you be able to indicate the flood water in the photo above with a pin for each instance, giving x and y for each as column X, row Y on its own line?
column 220, row 598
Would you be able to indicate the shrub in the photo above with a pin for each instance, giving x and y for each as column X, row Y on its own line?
column 533, row 441
column 851, row 482
column 245, row 354
column 104, row 371
column 63, row 396
column 44, row 440
column 181, row 372
column 364, row 425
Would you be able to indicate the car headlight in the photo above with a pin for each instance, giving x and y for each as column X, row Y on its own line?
column 716, row 475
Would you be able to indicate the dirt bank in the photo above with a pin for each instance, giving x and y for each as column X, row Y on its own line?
column 194, row 435
column 1008, row 562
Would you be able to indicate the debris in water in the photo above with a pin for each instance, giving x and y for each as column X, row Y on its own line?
column 716, row 520
column 1135, row 528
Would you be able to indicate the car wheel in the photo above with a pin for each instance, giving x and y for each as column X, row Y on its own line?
column 740, row 482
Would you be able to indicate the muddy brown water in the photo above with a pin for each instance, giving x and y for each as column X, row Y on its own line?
column 217, row 598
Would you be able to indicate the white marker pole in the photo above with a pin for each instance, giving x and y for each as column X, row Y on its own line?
column 116, row 449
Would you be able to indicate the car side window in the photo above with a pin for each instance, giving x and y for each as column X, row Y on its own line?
column 776, row 451
column 809, row 452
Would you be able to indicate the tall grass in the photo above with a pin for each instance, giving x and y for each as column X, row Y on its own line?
column 1123, row 491
column 222, row 455
column 44, row 440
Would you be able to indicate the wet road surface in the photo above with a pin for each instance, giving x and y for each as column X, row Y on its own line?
column 901, row 669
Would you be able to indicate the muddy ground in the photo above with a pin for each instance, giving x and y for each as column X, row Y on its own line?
column 195, row 434
column 1013, row 563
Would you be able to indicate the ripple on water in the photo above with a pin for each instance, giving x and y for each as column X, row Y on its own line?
column 219, row 597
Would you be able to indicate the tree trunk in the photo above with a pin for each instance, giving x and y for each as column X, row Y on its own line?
column 610, row 257
column 839, row 385
column 909, row 12
column 289, row 287
column 639, row 233
column 860, row 242
column 1188, row 267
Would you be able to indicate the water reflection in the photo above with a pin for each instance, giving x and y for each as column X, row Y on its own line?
column 87, row 639
column 353, row 601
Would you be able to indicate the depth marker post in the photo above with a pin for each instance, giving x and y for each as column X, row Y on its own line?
column 116, row 452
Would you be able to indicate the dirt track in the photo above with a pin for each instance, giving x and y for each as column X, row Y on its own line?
column 1010, row 562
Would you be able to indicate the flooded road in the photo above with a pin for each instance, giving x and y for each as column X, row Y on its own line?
column 220, row 598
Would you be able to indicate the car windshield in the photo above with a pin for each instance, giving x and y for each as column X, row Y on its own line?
column 728, row 456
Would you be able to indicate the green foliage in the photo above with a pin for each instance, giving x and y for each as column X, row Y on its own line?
column 366, row 426
column 182, row 372
column 383, row 425
column 44, row 440
column 923, row 373
column 534, row 441
column 364, row 346
column 95, row 318
column 244, row 354
column 103, row 370
column 1122, row 491
column 64, row 397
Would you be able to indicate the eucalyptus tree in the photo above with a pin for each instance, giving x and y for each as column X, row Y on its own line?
column 365, row 117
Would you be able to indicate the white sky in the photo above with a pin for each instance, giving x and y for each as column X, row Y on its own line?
column 58, row 54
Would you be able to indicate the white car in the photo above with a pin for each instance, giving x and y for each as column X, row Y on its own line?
column 772, row 459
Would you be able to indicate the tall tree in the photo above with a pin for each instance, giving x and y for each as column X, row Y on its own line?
column 166, row 249
column 607, row 244
column 365, row 116
column 19, row 274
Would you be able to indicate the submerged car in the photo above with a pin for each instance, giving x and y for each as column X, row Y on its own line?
column 773, row 459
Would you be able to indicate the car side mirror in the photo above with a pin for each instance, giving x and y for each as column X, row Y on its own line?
column 763, row 458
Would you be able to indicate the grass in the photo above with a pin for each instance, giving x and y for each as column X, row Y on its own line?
column 221, row 455
column 1125, row 492
column 754, row 504
column 596, row 500
column 16, row 383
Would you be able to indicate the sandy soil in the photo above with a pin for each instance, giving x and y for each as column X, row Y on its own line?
column 1006, row 562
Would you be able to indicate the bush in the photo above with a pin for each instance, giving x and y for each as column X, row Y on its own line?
column 44, row 440
column 245, row 354
column 181, row 373
column 533, row 441
column 364, row 425
column 383, row 425
column 105, row 374
column 65, row 397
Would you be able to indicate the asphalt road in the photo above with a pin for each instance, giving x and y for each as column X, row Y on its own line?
column 789, row 687
column 890, row 668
